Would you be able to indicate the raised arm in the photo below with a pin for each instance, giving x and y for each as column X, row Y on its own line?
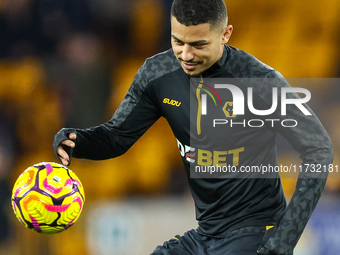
column 133, row 117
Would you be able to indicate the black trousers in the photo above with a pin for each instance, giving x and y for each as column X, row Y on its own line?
column 243, row 241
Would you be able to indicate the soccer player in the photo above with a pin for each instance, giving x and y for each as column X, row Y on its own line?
column 236, row 216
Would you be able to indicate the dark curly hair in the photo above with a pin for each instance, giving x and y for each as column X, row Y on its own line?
column 195, row 12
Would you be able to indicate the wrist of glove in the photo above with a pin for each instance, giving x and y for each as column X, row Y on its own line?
column 61, row 136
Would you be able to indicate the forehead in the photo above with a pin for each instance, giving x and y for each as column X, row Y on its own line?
column 191, row 33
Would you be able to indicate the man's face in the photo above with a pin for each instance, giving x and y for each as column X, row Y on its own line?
column 198, row 47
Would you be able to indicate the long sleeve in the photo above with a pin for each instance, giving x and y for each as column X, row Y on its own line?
column 311, row 140
column 133, row 117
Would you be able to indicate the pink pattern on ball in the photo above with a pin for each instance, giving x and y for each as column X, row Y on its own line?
column 56, row 208
column 51, row 188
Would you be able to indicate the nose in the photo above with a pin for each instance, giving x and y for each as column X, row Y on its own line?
column 187, row 53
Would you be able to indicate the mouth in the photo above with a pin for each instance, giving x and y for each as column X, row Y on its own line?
column 189, row 66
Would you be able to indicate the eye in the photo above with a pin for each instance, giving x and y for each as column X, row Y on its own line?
column 178, row 42
column 198, row 46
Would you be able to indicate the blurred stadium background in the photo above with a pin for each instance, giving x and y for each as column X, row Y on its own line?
column 70, row 62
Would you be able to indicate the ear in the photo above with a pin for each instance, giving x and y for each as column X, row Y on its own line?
column 227, row 31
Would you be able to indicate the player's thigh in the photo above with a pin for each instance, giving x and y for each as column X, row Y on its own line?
column 179, row 245
column 244, row 241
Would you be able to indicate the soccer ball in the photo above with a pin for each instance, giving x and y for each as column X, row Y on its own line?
column 48, row 198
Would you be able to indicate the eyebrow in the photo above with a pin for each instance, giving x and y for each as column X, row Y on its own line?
column 191, row 43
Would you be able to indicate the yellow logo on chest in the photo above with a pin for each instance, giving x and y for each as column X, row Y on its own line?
column 171, row 102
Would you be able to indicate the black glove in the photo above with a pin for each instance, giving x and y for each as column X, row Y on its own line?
column 63, row 135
